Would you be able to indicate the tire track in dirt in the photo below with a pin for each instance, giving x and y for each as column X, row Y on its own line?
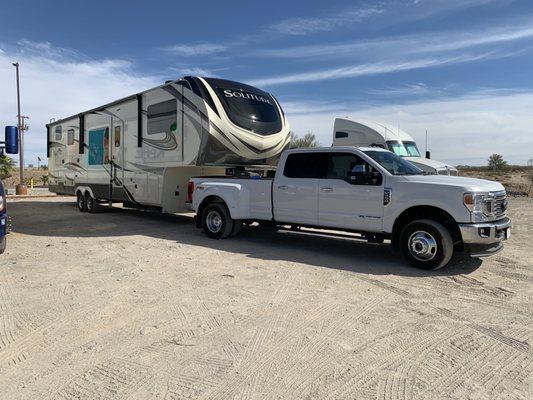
column 11, row 355
column 114, row 379
column 513, row 343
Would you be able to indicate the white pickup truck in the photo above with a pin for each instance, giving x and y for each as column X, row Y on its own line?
column 369, row 191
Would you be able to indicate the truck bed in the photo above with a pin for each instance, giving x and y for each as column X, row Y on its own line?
column 247, row 198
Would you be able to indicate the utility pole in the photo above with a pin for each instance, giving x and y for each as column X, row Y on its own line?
column 21, row 188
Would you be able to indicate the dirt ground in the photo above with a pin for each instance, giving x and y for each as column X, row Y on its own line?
column 129, row 305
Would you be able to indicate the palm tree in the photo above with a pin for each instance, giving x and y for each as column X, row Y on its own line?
column 6, row 166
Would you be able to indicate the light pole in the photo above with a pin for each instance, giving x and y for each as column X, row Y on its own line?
column 21, row 188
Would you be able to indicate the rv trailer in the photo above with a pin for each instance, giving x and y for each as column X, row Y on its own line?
column 141, row 150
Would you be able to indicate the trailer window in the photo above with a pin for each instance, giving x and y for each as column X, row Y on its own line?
column 59, row 133
column 162, row 117
column 117, row 136
column 70, row 137
column 99, row 146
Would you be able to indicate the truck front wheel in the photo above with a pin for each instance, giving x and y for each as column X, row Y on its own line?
column 217, row 222
column 426, row 244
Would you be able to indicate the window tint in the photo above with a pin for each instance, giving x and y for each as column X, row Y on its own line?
column 340, row 135
column 162, row 117
column 117, row 136
column 305, row 165
column 352, row 169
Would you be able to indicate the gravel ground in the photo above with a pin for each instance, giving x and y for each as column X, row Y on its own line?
column 129, row 305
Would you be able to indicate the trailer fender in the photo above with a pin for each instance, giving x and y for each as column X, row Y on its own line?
column 83, row 190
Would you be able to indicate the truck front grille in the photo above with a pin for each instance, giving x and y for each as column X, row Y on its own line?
column 499, row 204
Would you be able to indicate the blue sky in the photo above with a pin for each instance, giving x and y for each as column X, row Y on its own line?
column 458, row 68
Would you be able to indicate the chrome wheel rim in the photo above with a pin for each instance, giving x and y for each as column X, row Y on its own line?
column 80, row 202
column 213, row 221
column 422, row 246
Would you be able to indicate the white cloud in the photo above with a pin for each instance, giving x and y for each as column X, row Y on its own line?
column 401, row 11
column 190, row 50
column 57, row 83
column 462, row 130
column 304, row 26
column 422, row 43
column 370, row 69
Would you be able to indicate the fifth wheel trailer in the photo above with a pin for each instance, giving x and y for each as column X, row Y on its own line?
column 142, row 149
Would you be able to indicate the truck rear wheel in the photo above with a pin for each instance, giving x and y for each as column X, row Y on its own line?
column 217, row 222
column 426, row 244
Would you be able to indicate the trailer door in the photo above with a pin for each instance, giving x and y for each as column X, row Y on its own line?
column 116, row 150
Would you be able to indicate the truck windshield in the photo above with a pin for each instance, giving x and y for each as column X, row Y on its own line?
column 403, row 149
column 248, row 107
column 393, row 163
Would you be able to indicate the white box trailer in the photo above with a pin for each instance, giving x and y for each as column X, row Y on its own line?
column 142, row 149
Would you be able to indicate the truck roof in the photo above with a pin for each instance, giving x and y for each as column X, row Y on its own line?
column 335, row 149
column 387, row 131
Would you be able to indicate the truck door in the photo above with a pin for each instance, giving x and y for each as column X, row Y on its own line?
column 350, row 196
column 296, row 189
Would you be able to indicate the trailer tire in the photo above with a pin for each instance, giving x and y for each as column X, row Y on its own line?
column 80, row 202
column 217, row 222
column 91, row 204
column 426, row 244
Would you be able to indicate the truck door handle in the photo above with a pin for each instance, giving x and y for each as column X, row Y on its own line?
column 326, row 189
column 283, row 187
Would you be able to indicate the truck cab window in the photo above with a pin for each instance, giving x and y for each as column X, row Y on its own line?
column 304, row 165
column 352, row 169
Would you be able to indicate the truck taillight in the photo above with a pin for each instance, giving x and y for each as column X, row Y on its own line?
column 190, row 191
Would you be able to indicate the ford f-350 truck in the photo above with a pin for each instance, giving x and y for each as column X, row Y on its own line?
column 369, row 191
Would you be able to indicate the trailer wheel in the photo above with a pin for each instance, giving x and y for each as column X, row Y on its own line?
column 426, row 244
column 91, row 204
column 217, row 222
column 80, row 201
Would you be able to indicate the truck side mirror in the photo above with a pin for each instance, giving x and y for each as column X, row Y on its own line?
column 428, row 154
column 12, row 140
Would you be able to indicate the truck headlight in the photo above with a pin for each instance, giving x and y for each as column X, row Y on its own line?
column 479, row 205
column 2, row 203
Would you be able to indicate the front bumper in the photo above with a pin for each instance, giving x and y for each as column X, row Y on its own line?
column 486, row 232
